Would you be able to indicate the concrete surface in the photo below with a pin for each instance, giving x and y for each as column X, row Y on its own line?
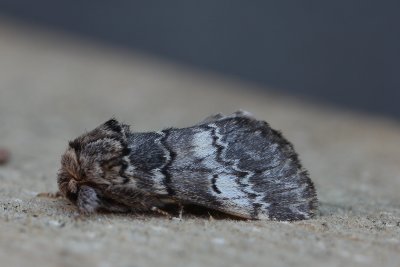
column 53, row 87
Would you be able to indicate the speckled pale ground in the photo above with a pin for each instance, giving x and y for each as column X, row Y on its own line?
column 52, row 88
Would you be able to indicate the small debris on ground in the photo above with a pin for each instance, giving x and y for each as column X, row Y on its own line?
column 4, row 156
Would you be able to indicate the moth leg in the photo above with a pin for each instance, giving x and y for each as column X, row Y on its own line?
column 87, row 201
column 50, row 194
column 210, row 218
column 180, row 210
column 162, row 212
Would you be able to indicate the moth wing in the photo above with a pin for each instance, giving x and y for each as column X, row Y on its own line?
column 240, row 166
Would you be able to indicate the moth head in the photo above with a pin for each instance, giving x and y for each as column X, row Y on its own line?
column 93, row 160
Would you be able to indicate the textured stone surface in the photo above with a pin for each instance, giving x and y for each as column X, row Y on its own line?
column 52, row 88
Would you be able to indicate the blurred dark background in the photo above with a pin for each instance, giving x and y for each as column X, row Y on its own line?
column 340, row 52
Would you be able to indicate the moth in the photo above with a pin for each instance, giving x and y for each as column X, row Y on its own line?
column 235, row 164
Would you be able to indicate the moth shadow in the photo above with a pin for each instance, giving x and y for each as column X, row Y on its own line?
column 173, row 211
column 169, row 211
column 195, row 211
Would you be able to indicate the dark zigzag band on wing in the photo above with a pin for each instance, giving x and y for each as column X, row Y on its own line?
column 219, row 149
column 242, row 176
column 170, row 157
column 214, row 184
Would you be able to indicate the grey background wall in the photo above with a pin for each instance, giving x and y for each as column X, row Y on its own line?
column 341, row 52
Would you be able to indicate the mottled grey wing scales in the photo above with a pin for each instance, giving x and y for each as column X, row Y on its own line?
column 240, row 166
